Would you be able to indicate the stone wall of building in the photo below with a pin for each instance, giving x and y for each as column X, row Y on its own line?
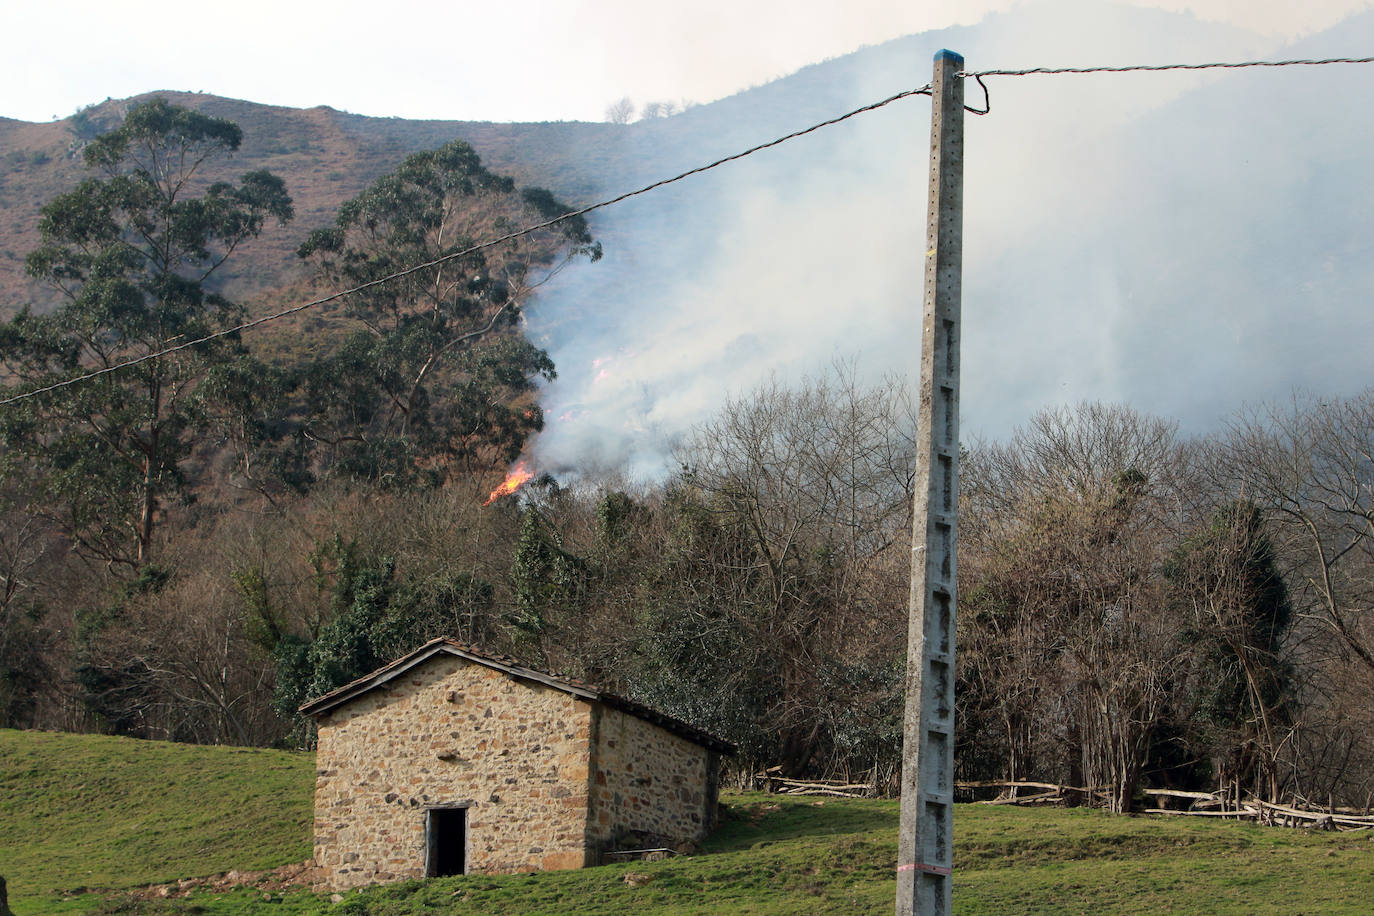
column 649, row 785
column 450, row 732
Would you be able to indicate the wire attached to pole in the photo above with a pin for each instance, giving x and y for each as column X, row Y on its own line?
column 987, row 99
column 924, row 90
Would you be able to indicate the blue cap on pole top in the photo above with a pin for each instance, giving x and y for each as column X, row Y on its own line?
column 949, row 55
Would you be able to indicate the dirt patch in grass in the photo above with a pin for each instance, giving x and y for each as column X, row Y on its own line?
column 295, row 876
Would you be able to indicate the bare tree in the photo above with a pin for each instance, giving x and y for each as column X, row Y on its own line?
column 813, row 484
column 663, row 109
column 621, row 111
column 1066, row 529
column 1310, row 467
column 26, row 545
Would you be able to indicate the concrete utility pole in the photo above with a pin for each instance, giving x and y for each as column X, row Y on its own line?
column 925, row 847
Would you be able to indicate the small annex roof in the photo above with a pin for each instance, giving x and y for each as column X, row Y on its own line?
column 504, row 663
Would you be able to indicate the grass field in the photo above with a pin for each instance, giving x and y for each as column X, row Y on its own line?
column 85, row 821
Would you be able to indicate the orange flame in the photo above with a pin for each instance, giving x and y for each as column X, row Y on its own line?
column 514, row 481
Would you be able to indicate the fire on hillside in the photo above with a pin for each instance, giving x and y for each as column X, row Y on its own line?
column 514, row 480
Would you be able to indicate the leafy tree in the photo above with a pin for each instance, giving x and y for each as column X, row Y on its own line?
column 24, row 661
column 23, row 664
column 131, row 250
column 118, row 687
column 374, row 616
column 87, row 123
column 1239, row 613
column 25, row 642
column 438, row 372
column 548, row 581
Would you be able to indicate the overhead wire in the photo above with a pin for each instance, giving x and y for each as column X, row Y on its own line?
column 1155, row 68
column 572, row 214
column 1146, row 68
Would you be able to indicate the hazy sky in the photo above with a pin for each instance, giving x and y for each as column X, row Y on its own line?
column 460, row 59
column 1185, row 243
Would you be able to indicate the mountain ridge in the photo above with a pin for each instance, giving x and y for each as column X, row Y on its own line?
column 1070, row 184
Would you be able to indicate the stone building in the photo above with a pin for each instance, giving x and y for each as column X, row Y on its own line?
column 449, row 761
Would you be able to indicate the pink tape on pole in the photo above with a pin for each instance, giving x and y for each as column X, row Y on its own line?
column 929, row 869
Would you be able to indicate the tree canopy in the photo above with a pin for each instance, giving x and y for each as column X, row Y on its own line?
column 131, row 249
column 438, row 373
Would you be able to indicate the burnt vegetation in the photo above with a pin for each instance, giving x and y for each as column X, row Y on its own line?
column 190, row 548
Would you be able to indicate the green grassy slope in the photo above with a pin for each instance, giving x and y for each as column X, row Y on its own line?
column 87, row 811
column 92, row 812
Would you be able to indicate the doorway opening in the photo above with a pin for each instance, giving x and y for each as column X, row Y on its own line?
column 446, row 842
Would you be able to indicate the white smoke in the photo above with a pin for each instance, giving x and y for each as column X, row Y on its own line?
column 1141, row 237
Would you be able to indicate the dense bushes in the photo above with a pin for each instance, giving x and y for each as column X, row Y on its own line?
column 1134, row 609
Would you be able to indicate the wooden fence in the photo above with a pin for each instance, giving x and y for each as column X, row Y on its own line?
column 1170, row 802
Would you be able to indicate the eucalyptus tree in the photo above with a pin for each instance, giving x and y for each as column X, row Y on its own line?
column 438, row 372
column 132, row 250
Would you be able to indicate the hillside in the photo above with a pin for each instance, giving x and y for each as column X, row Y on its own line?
column 1075, row 187
column 86, row 811
column 325, row 157
column 86, row 819
column 1108, row 207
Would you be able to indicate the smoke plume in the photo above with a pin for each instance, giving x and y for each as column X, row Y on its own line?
column 1185, row 242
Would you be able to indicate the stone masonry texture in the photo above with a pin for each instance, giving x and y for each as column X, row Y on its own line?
column 650, row 787
column 549, row 780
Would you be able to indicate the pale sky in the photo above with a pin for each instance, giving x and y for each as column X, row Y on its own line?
column 466, row 60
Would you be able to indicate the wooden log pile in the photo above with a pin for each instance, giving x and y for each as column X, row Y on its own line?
column 1042, row 793
column 772, row 781
column 1190, row 804
column 1030, row 792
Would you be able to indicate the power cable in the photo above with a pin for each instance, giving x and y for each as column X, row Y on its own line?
column 1154, row 68
column 924, row 90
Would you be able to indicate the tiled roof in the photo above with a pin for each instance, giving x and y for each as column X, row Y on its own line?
column 504, row 663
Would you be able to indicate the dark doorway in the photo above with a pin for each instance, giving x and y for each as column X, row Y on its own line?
column 446, row 842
